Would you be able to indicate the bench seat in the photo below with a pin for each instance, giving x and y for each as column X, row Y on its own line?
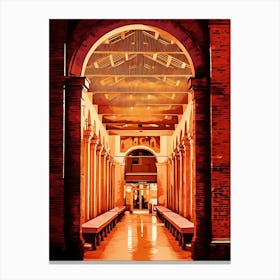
column 179, row 226
column 120, row 210
column 160, row 210
column 98, row 227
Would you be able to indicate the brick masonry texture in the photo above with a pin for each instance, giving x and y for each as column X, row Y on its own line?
column 56, row 190
column 220, row 137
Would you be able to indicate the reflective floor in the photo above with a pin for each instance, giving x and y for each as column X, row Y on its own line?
column 140, row 237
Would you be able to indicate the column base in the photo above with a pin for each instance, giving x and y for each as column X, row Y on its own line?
column 220, row 250
column 74, row 250
column 56, row 253
column 200, row 250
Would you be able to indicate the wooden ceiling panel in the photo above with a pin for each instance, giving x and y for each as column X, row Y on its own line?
column 140, row 119
column 149, row 109
column 139, row 82
column 139, row 99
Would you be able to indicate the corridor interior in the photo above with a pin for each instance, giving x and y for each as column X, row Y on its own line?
column 139, row 236
column 136, row 123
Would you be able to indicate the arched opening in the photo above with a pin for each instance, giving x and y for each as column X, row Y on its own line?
column 140, row 187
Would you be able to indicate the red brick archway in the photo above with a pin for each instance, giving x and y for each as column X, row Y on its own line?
column 86, row 33
column 80, row 44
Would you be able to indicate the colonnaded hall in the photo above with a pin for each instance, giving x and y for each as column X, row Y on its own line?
column 139, row 140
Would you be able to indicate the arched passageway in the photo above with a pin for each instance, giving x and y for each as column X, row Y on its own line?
column 144, row 84
column 140, row 180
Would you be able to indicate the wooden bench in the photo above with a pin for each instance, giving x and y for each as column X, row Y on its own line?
column 99, row 227
column 179, row 226
column 120, row 210
column 160, row 210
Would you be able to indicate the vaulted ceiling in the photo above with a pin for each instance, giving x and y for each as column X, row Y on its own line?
column 139, row 82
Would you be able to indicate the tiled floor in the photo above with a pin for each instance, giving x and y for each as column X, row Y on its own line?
column 139, row 236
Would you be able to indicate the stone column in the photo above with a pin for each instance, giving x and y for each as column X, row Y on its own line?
column 99, row 149
column 113, row 184
column 167, row 184
column 75, row 89
column 170, row 181
column 84, row 143
column 86, row 170
column 172, row 189
column 103, row 180
column 108, row 193
column 179, row 179
column 187, row 178
column 161, row 182
column 103, row 155
column 119, row 183
column 93, row 145
column 192, row 178
column 184, row 181
column 202, row 201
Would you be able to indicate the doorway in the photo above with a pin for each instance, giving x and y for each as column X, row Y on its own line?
column 141, row 196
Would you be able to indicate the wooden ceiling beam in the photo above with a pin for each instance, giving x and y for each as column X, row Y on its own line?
column 143, row 133
column 137, row 128
column 138, row 75
column 140, row 92
column 151, row 109
column 139, row 103
column 128, row 120
column 138, row 52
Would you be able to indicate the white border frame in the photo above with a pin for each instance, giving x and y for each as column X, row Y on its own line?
column 24, row 138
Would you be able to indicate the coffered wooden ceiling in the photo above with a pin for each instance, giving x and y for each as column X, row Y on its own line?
column 138, row 79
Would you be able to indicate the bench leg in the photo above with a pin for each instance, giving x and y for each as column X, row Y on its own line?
column 184, row 241
column 91, row 240
column 180, row 239
column 187, row 238
column 176, row 235
column 101, row 235
column 173, row 231
column 97, row 239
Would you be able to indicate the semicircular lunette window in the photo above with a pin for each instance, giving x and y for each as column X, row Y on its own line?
column 138, row 79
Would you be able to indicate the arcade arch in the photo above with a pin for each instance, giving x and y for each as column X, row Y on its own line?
column 100, row 147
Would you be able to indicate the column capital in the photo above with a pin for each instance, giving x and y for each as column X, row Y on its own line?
column 161, row 164
column 173, row 155
column 177, row 151
column 99, row 148
column 186, row 141
column 87, row 134
column 183, row 147
column 76, row 81
column 94, row 141
column 104, row 152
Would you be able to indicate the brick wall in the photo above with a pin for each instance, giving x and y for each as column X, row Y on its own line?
column 220, row 138
column 56, row 190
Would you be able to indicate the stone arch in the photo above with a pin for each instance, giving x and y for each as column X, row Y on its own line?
column 140, row 147
column 83, row 41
